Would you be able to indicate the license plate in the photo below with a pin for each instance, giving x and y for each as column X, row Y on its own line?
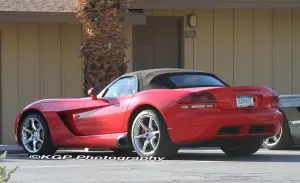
column 244, row 101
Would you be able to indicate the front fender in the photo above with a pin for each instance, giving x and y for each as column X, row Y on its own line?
column 21, row 115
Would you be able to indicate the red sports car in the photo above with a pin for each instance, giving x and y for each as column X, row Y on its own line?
column 154, row 112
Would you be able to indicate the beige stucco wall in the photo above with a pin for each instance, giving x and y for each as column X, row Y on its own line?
column 243, row 47
column 39, row 61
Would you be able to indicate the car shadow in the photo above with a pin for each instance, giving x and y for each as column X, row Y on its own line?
column 206, row 156
column 275, row 156
column 222, row 157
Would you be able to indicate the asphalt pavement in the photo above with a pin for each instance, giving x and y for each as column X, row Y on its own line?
column 195, row 166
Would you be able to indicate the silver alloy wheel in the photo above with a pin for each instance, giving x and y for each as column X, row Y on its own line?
column 271, row 141
column 145, row 134
column 32, row 133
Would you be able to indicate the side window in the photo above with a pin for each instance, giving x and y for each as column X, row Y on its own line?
column 122, row 87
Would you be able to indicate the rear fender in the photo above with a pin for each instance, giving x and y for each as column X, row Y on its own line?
column 158, row 99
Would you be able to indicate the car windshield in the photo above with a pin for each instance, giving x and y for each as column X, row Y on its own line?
column 195, row 80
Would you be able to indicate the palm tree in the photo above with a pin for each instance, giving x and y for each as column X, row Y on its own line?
column 105, row 42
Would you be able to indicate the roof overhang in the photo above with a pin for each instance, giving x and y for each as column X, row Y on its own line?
column 68, row 6
column 64, row 17
column 63, row 11
column 200, row 4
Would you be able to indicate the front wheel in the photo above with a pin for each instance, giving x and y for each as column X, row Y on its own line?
column 242, row 149
column 150, row 137
column 35, row 136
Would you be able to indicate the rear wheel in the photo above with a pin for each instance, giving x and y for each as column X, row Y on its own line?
column 35, row 136
column 246, row 148
column 150, row 137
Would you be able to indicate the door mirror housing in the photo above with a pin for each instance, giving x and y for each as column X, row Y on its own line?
column 93, row 92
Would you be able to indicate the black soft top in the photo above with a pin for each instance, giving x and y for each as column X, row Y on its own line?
column 145, row 77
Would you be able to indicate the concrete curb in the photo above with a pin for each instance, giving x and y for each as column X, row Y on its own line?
column 11, row 149
column 16, row 149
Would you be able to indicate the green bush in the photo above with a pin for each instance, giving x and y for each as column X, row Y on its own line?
column 4, row 176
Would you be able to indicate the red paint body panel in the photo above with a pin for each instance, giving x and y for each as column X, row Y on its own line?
column 196, row 126
column 104, row 120
column 62, row 137
column 99, row 123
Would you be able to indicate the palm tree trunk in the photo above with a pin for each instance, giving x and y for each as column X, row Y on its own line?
column 104, row 51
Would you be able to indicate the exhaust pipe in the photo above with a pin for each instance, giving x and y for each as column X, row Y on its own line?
column 123, row 142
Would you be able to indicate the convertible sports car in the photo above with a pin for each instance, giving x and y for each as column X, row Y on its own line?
column 154, row 112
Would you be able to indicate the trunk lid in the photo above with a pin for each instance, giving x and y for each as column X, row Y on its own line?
column 240, row 97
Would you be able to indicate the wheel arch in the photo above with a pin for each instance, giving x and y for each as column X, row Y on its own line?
column 24, row 115
column 136, row 111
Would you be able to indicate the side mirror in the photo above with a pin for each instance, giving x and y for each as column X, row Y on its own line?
column 93, row 93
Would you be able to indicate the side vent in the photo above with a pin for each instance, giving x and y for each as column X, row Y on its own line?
column 64, row 118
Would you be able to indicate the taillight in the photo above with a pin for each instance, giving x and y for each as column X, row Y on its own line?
column 198, row 100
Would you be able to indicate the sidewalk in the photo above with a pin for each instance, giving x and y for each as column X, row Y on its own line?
column 11, row 149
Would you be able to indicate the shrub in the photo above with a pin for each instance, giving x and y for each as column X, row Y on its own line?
column 4, row 176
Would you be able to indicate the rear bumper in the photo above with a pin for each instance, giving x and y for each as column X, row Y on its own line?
column 223, row 124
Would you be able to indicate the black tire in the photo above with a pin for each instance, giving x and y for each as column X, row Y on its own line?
column 245, row 148
column 285, row 141
column 165, row 147
column 47, row 147
column 122, row 152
